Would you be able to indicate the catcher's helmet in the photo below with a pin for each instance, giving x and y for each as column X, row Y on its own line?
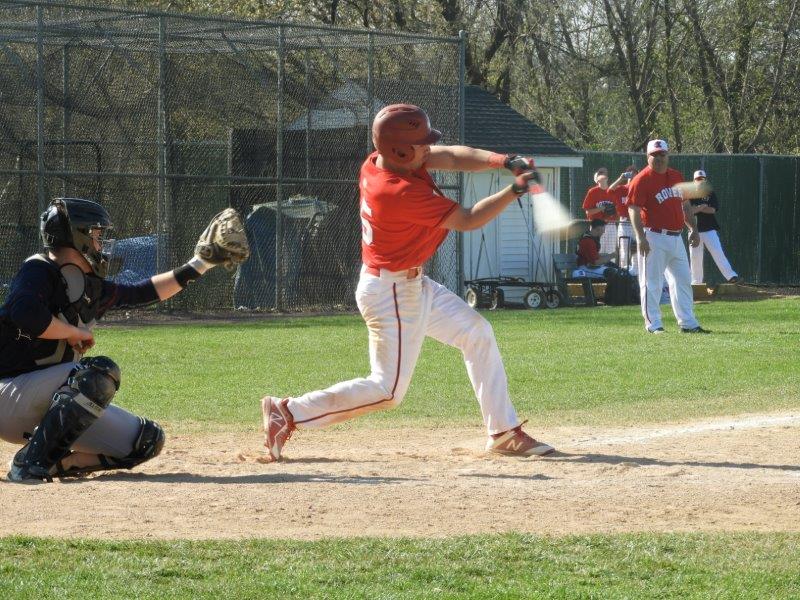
column 398, row 127
column 68, row 222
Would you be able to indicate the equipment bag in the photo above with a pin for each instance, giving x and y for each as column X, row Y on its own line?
column 621, row 288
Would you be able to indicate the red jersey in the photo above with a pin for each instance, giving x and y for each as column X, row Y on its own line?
column 595, row 195
column 661, row 204
column 620, row 196
column 588, row 251
column 401, row 217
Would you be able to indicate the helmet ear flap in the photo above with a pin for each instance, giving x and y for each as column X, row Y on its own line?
column 55, row 227
column 62, row 217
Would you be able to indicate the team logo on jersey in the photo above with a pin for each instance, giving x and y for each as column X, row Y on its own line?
column 667, row 193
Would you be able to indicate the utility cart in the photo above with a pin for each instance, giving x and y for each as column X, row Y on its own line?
column 487, row 292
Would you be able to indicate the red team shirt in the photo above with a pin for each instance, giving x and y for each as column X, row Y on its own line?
column 588, row 251
column 400, row 217
column 620, row 197
column 595, row 195
column 661, row 204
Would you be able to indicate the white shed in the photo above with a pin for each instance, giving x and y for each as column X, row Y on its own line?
column 507, row 246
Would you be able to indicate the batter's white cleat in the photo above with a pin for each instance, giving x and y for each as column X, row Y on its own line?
column 278, row 424
column 516, row 442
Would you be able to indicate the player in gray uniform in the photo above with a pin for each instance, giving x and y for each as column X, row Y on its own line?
column 55, row 402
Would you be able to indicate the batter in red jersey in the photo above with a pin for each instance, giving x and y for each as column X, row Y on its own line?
column 658, row 213
column 404, row 219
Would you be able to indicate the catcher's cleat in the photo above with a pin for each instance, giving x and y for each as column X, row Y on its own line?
column 516, row 442
column 697, row 329
column 19, row 471
column 278, row 424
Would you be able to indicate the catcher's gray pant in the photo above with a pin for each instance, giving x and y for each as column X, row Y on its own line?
column 26, row 398
column 709, row 239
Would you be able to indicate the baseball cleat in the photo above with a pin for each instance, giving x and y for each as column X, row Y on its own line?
column 278, row 424
column 516, row 442
column 657, row 330
column 697, row 329
column 18, row 469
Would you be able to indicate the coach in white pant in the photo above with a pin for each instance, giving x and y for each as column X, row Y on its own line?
column 705, row 209
column 658, row 213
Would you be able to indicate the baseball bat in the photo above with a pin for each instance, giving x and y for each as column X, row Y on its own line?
column 548, row 214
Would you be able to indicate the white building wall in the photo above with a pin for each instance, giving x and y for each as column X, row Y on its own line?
column 509, row 246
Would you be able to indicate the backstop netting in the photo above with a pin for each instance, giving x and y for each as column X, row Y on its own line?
column 167, row 119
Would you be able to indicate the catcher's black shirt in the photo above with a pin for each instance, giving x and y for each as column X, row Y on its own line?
column 706, row 222
column 36, row 294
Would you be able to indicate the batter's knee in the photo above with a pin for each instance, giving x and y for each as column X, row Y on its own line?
column 389, row 394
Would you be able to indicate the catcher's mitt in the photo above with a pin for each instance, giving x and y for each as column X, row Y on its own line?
column 607, row 207
column 224, row 241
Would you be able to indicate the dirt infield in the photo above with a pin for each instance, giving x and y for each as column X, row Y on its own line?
column 724, row 474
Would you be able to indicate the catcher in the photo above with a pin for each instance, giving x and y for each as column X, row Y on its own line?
column 55, row 402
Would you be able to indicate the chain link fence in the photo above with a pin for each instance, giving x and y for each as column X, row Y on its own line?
column 759, row 207
column 167, row 119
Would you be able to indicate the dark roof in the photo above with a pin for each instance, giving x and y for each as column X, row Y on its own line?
column 493, row 125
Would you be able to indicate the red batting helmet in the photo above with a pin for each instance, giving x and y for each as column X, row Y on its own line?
column 398, row 127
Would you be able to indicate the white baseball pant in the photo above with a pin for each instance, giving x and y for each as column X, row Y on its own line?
column 711, row 240
column 626, row 237
column 667, row 257
column 399, row 314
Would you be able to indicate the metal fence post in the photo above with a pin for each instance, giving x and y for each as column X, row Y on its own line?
column 370, row 84
column 307, row 64
column 65, row 117
column 161, row 203
column 760, row 230
column 279, row 279
column 40, row 192
column 462, row 48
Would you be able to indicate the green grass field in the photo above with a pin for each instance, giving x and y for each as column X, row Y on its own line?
column 577, row 366
column 508, row 566
column 586, row 367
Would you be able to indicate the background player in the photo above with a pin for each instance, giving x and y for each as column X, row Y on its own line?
column 49, row 394
column 626, row 239
column 405, row 217
column 658, row 212
column 600, row 203
column 589, row 261
column 705, row 209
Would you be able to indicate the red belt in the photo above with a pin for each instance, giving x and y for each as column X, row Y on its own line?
column 411, row 273
column 665, row 231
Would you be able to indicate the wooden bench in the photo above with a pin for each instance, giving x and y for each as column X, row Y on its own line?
column 564, row 265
